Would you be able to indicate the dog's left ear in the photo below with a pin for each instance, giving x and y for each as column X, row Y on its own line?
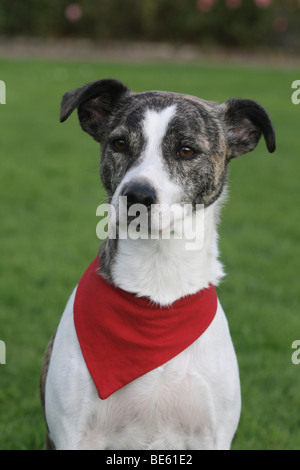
column 95, row 102
column 245, row 121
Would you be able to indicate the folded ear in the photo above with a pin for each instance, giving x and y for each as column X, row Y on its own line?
column 95, row 102
column 245, row 121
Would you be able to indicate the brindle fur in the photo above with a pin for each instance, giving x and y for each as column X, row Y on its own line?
column 108, row 110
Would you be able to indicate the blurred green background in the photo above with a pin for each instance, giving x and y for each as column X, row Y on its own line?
column 50, row 189
column 244, row 23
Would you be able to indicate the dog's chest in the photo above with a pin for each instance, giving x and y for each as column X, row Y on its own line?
column 190, row 402
column 160, row 410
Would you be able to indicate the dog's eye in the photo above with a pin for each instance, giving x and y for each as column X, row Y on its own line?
column 186, row 152
column 120, row 145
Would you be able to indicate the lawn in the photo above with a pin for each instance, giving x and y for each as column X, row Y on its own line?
column 49, row 193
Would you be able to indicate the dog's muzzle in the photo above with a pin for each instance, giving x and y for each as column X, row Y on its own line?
column 137, row 193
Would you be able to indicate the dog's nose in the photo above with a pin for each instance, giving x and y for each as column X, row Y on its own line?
column 138, row 193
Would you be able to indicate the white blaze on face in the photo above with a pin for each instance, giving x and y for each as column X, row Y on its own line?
column 155, row 127
column 151, row 168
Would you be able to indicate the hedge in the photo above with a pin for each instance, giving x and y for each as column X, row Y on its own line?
column 242, row 23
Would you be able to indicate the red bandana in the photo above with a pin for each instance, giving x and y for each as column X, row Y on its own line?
column 123, row 336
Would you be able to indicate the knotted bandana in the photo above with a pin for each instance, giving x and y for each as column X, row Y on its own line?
column 123, row 336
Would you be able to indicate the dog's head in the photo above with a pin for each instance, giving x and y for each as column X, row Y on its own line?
column 165, row 148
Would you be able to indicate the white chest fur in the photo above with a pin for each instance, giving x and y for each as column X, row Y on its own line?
column 191, row 402
column 165, row 270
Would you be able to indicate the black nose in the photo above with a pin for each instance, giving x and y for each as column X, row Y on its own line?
column 138, row 193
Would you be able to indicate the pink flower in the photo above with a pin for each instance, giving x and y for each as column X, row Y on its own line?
column 233, row 4
column 73, row 12
column 263, row 3
column 205, row 5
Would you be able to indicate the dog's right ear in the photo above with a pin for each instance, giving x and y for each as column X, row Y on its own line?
column 95, row 102
column 245, row 121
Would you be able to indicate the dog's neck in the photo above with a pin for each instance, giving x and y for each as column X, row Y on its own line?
column 164, row 270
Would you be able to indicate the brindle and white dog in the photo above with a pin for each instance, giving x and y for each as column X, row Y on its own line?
column 157, row 148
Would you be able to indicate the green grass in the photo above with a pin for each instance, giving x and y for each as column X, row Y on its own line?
column 49, row 193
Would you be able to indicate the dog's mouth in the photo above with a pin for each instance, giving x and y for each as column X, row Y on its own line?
column 156, row 221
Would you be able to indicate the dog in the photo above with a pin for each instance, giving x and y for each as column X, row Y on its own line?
column 156, row 148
